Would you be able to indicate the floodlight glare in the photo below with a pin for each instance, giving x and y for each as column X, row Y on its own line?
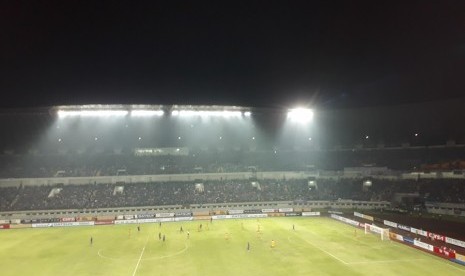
column 301, row 115
column 147, row 113
column 247, row 113
column 91, row 113
column 206, row 113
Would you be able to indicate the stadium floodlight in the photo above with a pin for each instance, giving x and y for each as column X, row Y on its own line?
column 147, row 113
column 247, row 113
column 91, row 113
column 301, row 115
column 206, row 113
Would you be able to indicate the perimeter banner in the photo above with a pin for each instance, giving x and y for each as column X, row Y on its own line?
column 360, row 215
column 346, row 220
column 423, row 245
column 403, row 227
column 455, row 242
column 235, row 212
column 395, row 236
column 164, row 215
column 142, row 216
column 446, row 252
column 436, row 237
column 310, row 214
column 183, row 214
column 62, row 224
column 357, row 214
column 293, row 214
column 240, row 216
column 390, row 223
column 252, row 211
column 418, row 232
column 460, row 257
column 275, row 214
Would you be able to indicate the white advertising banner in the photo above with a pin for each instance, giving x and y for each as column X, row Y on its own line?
column 423, row 245
column 235, row 212
column 455, row 242
column 390, row 223
column 310, row 214
column 62, row 224
column 240, row 216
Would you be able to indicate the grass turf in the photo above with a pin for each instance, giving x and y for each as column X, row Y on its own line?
column 317, row 246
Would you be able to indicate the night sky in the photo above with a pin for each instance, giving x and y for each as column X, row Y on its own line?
column 330, row 54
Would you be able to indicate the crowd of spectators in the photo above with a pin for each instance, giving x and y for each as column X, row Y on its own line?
column 226, row 191
column 110, row 164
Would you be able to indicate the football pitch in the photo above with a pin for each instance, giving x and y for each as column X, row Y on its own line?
column 317, row 246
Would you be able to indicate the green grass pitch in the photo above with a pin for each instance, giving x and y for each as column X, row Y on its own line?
column 317, row 246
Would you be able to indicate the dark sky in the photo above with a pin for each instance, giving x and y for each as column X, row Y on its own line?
column 254, row 53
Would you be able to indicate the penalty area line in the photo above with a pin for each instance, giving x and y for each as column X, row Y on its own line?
column 140, row 257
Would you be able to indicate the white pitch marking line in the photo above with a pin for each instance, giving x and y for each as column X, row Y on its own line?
column 342, row 261
column 140, row 257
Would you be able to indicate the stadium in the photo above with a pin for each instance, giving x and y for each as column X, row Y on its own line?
column 227, row 190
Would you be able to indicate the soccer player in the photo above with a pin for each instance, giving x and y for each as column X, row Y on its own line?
column 138, row 228
column 226, row 236
column 159, row 235
column 273, row 243
column 248, row 246
column 163, row 238
column 91, row 240
column 181, row 230
column 293, row 227
column 188, row 234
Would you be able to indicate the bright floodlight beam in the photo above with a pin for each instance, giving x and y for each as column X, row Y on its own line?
column 147, row 113
column 206, row 113
column 301, row 115
column 91, row 113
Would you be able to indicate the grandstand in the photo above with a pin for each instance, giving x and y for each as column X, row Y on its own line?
column 138, row 164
